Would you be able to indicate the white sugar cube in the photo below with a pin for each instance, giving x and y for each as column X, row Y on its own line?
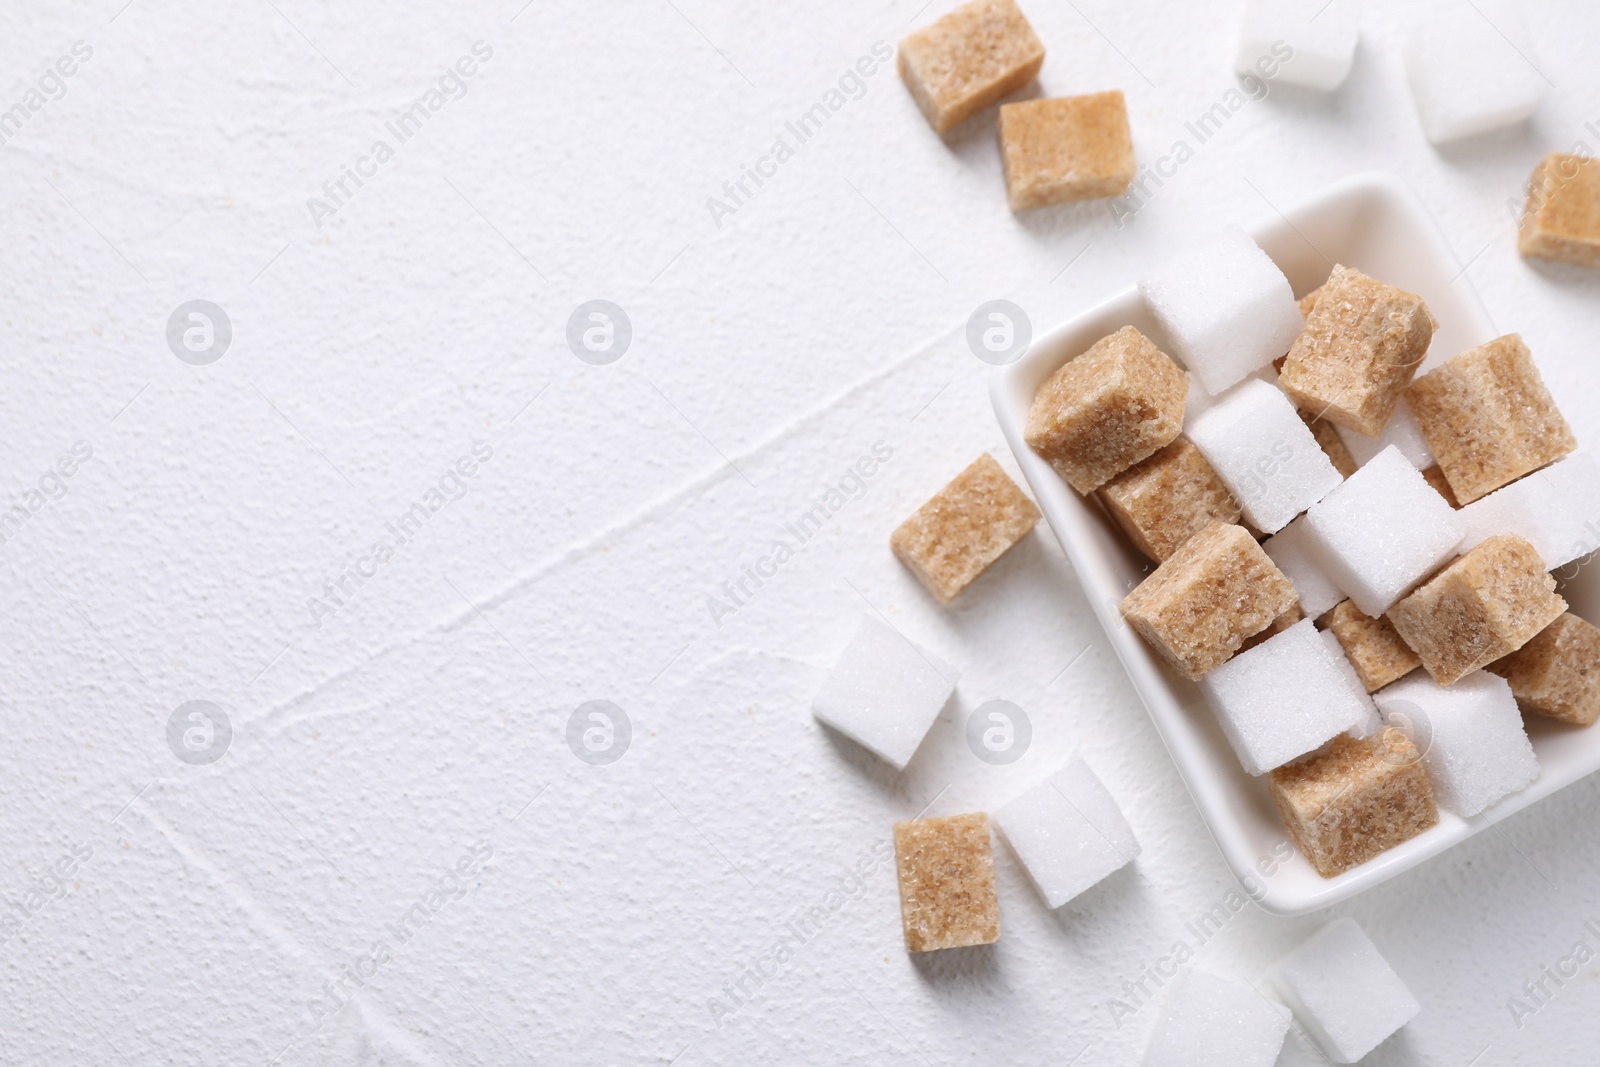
column 1227, row 308
column 1214, row 1022
column 1402, row 431
column 1344, row 991
column 1264, row 454
column 885, row 692
column 1291, row 550
column 1372, row 721
column 1470, row 735
column 1284, row 698
column 1556, row 509
column 1068, row 832
column 1382, row 532
column 1319, row 36
column 1473, row 69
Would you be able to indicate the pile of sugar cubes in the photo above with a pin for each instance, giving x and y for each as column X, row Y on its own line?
column 1325, row 521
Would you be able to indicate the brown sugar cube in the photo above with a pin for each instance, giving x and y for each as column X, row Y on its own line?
column 967, row 525
column 1162, row 501
column 1487, row 604
column 1106, row 410
column 1562, row 220
column 1331, row 443
column 1305, row 304
column 1354, row 799
column 1557, row 674
column 969, row 59
column 1216, row 591
column 947, row 894
column 1435, row 477
column 1280, row 624
column 1362, row 344
column 1488, row 418
column 1070, row 148
column 1373, row 646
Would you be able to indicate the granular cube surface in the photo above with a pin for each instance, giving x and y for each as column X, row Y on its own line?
column 1280, row 624
column 1362, row 344
column 1557, row 674
column 1470, row 734
column 1372, row 646
column 1489, row 418
column 1321, row 40
column 1068, row 832
column 1332, row 442
column 1556, row 509
column 1116, row 404
column 1435, row 477
column 884, row 693
column 1264, row 454
column 1214, row 1022
column 947, row 890
column 1198, row 607
column 1227, row 307
column 1562, row 220
column 1292, row 551
column 1283, row 698
column 1064, row 149
column 967, row 60
column 1354, row 799
column 1401, row 431
column 1472, row 69
column 1487, row 604
column 1381, row 532
column 1372, row 721
column 1344, row 991
column 967, row 525
column 1162, row 501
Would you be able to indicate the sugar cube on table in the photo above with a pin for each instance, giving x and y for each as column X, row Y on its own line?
column 967, row 60
column 1068, row 832
column 1485, row 605
column 1354, row 799
column 1107, row 409
column 1284, row 698
column 1264, row 454
column 1332, row 443
column 967, row 525
column 1362, row 344
column 1441, row 485
column 885, row 692
column 1472, row 69
column 1488, row 417
column 1064, row 149
column 1199, row 606
column 1292, row 551
column 947, row 889
column 1562, row 219
column 1227, row 307
column 1556, row 509
column 1381, row 532
column 1318, row 37
column 1216, row 1022
column 1401, row 431
column 1344, row 991
column 1161, row 501
column 1372, row 645
column 1470, row 734
column 1557, row 674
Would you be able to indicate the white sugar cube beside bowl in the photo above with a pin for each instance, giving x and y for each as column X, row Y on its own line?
column 1374, row 223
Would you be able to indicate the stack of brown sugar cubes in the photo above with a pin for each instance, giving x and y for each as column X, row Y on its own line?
column 1053, row 151
column 1325, row 520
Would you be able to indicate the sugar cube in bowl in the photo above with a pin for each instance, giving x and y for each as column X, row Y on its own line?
column 1372, row 222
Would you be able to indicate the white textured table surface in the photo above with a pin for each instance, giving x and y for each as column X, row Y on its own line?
column 293, row 901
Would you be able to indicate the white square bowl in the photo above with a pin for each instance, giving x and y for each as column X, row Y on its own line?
column 1375, row 223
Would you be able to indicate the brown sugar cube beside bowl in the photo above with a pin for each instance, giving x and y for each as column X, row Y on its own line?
column 1208, row 598
column 947, row 889
column 1064, row 149
column 1109, row 408
column 1488, row 418
column 969, row 59
column 1562, row 219
column 968, row 524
